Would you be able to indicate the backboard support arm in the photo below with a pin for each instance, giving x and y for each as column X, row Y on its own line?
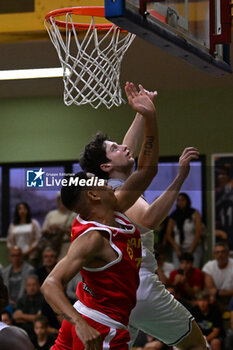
column 226, row 19
column 143, row 6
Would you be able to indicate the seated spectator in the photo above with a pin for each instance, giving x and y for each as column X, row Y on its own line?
column 229, row 336
column 164, row 268
column 7, row 318
column 208, row 318
column 15, row 275
column 56, row 229
column 173, row 290
column 71, row 288
column 24, row 232
column 186, row 225
column 49, row 261
column 54, row 321
column 42, row 340
column 219, row 276
column 187, row 278
column 11, row 337
column 29, row 306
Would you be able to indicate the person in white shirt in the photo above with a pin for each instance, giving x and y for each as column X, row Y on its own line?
column 24, row 232
column 219, row 276
column 56, row 229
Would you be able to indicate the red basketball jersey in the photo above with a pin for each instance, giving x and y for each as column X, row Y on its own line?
column 111, row 289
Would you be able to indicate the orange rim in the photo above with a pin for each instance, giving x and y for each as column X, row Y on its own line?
column 97, row 11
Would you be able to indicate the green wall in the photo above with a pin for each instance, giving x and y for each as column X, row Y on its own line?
column 45, row 129
column 35, row 129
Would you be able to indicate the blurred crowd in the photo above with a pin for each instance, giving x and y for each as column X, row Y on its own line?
column 206, row 289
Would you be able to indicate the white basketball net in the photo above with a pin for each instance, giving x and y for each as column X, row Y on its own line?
column 91, row 72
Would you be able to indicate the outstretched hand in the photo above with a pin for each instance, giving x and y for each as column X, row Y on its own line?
column 188, row 154
column 140, row 101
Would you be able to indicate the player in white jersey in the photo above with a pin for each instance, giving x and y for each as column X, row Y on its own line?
column 157, row 312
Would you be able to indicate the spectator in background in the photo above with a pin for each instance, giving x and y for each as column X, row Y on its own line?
column 42, row 340
column 147, row 342
column 219, row 276
column 72, row 287
column 24, row 232
column 56, row 229
column 11, row 337
column 186, row 225
column 164, row 268
column 15, row 275
column 6, row 318
column 187, row 278
column 29, row 306
column 208, row 318
column 173, row 290
column 224, row 199
column 229, row 336
column 49, row 261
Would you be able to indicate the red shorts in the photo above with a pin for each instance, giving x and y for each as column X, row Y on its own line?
column 64, row 339
column 113, row 339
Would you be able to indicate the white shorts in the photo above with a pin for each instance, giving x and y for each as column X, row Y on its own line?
column 158, row 313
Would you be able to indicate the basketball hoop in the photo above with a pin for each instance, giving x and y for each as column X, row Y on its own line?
column 91, row 61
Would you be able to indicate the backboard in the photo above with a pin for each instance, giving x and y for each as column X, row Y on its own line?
column 197, row 31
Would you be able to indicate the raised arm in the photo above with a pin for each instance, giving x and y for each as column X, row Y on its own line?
column 134, row 135
column 151, row 216
column 137, row 183
column 81, row 253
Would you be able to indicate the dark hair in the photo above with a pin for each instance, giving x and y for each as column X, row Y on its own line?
column 222, row 244
column 33, row 276
column 186, row 257
column 70, row 195
column 179, row 216
column 187, row 198
column 94, row 155
column 49, row 248
column 7, row 312
column 42, row 319
column 16, row 220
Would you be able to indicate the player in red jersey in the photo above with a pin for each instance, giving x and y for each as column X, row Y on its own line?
column 105, row 248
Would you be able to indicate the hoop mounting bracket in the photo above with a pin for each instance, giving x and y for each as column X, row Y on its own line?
column 226, row 20
column 143, row 6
